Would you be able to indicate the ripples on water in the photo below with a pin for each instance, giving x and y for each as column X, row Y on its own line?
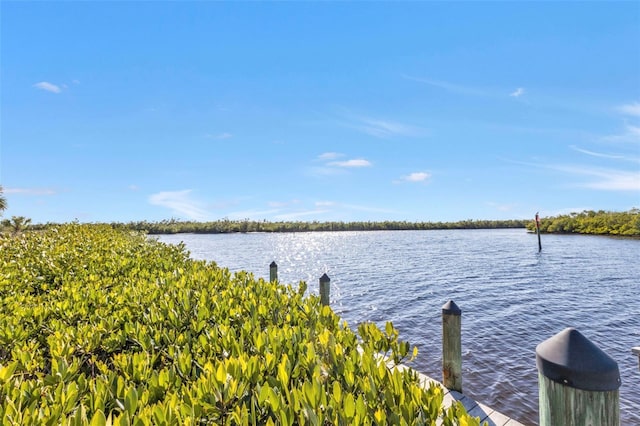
column 512, row 297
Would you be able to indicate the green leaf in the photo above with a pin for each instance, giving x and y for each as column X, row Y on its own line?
column 388, row 328
column 349, row 406
column 337, row 391
column 98, row 419
column 7, row 371
column 131, row 401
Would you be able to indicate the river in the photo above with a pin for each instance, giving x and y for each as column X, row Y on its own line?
column 512, row 297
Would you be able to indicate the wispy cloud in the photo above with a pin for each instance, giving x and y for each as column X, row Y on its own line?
column 632, row 109
column 180, row 203
column 369, row 209
column 415, row 177
column 383, row 129
column 600, row 178
column 630, row 134
column 281, row 204
column 299, row 214
column 593, row 177
column 603, row 178
column 325, row 203
column 219, row 136
column 252, row 214
column 30, row 191
column 48, row 87
column 603, row 155
column 329, row 156
column 448, row 86
column 332, row 168
column 325, row 171
column 359, row 162
column 517, row 93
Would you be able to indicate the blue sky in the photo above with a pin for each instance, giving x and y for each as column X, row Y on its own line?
column 418, row 111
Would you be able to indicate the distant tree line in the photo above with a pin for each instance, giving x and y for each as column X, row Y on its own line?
column 592, row 222
column 223, row 226
column 588, row 222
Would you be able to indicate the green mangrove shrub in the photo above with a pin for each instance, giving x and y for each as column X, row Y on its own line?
column 106, row 327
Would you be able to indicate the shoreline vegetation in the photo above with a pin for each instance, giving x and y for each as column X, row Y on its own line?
column 587, row 222
column 102, row 326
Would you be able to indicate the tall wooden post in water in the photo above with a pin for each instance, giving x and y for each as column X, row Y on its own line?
column 452, row 346
column 325, row 284
column 273, row 271
column 578, row 382
column 538, row 232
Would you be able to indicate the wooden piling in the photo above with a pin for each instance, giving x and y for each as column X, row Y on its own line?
column 452, row 346
column 325, row 284
column 273, row 271
column 636, row 351
column 578, row 382
column 538, row 232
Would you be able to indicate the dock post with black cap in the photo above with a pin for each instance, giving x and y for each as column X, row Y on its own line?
column 578, row 383
column 325, row 284
column 451, row 346
column 273, row 271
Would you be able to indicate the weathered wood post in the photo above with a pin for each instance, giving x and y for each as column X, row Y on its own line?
column 452, row 346
column 578, row 383
column 273, row 271
column 636, row 351
column 325, row 283
column 538, row 232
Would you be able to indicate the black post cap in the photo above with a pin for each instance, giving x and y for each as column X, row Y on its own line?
column 273, row 264
column 450, row 308
column 573, row 360
column 324, row 278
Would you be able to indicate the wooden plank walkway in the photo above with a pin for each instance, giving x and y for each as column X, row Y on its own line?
column 473, row 407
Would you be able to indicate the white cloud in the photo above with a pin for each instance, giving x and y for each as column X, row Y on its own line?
column 604, row 179
column 417, row 177
column 280, row 204
column 333, row 168
column 30, row 191
column 369, row 209
column 325, row 203
column 359, row 162
column 448, row 86
column 329, row 156
column 252, row 214
column 634, row 131
column 630, row 109
column 518, row 92
column 378, row 127
column 180, row 203
column 631, row 134
column 602, row 155
column 296, row 215
column 325, row 171
column 219, row 136
column 385, row 128
column 49, row 87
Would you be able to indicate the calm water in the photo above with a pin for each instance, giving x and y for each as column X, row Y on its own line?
column 511, row 296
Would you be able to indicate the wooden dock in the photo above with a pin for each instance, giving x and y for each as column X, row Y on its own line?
column 473, row 407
